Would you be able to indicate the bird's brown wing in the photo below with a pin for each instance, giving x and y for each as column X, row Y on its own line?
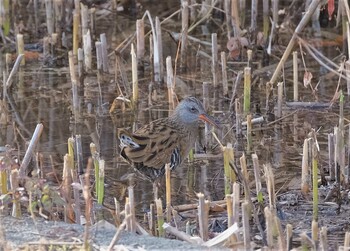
column 152, row 146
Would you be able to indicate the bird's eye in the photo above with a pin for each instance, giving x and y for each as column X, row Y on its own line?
column 193, row 109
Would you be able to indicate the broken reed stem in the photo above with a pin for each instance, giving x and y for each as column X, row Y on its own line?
column 170, row 82
column 323, row 239
column 269, row 227
column 132, row 209
column 160, row 50
column 295, row 77
column 227, row 6
column 117, row 234
column 279, row 99
column 270, row 184
column 230, row 175
column 168, row 192
column 247, row 89
column 224, row 73
column 238, row 118
column 84, row 11
column 289, row 234
column 314, row 181
column 66, row 187
column 128, row 215
column 140, row 39
column 249, row 133
column 281, row 238
column 235, row 202
column 243, row 163
column 3, row 180
column 314, row 230
column 103, row 40
column 266, row 19
column 246, row 213
column 202, row 217
column 257, row 176
column 14, row 184
column 347, row 240
column 331, row 146
column 340, row 139
column 20, row 47
column 179, row 234
column 305, row 177
column 135, row 88
column 229, row 203
column 95, row 158
column 214, row 58
column 87, row 46
column 117, row 212
column 160, row 217
column 306, row 242
column 184, row 32
column 76, row 24
column 30, row 151
column 151, row 219
column 235, row 18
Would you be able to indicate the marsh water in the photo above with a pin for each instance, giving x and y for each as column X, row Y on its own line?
column 43, row 94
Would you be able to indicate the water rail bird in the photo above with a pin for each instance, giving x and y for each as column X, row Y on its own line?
column 166, row 140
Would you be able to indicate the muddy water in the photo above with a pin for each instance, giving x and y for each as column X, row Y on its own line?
column 43, row 94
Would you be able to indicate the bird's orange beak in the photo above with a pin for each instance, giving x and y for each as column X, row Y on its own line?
column 209, row 119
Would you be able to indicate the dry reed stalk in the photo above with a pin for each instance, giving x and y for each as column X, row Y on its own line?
column 84, row 19
column 246, row 214
column 289, row 234
column 279, row 99
column 128, row 215
column 303, row 22
column 160, row 217
column 93, row 22
column 168, row 192
column 79, row 154
column 266, row 18
column 323, row 239
column 14, row 184
column 242, row 9
column 87, row 46
column 254, row 17
column 315, row 154
column 244, row 168
column 87, row 198
column 81, row 66
column 270, row 185
column 222, row 238
column 230, row 176
column 249, row 133
column 247, row 90
column 347, row 240
column 30, row 151
column 160, row 50
column 202, row 217
column 101, row 182
column 132, row 208
column 295, row 77
column 20, row 47
column 49, row 16
column 151, row 219
column 98, row 46
column 281, row 238
column 305, row 177
column 224, row 72
column 76, row 24
column 71, row 66
column 235, row 202
column 135, row 88
column 184, row 32
column 117, row 212
column 214, row 58
column 170, row 82
column 340, row 139
column 140, row 39
column 66, row 187
column 229, row 201
column 227, row 10
column 331, row 145
column 234, row 89
column 206, row 101
column 238, row 112
column 179, row 234
column 236, row 22
column 269, row 227
column 104, row 52
column 257, row 176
